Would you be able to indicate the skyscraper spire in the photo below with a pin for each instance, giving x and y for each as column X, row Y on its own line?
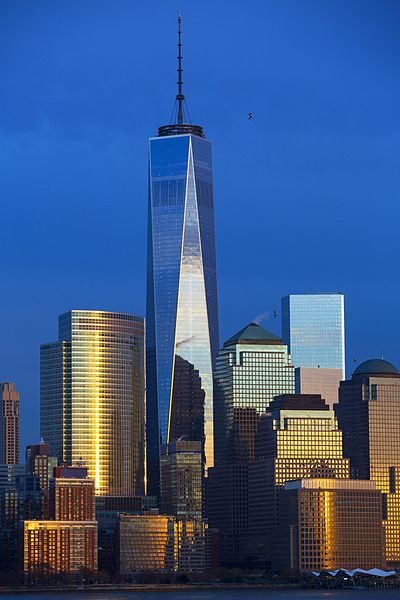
column 180, row 97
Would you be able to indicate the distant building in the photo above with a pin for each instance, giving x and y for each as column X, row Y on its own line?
column 52, row 547
column 369, row 415
column 298, row 438
column 160, row 544
column 328, row 524
column 9, row 424
column 181, row 480
column 92, row 398
column 314, row 330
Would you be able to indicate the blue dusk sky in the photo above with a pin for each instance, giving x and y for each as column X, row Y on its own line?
column 306, row 193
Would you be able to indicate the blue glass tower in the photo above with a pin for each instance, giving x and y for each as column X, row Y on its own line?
column 313, row 328
column 182, row 315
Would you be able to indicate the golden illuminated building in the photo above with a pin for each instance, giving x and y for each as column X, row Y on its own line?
column 52, row 547
column 329, row 524
column 369, row 415
column 160, row 543
column 92, row 398
column 298, row 438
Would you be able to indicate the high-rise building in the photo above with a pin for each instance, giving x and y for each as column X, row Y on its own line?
column 369, row 416
column 92, row 398
column 9, row 424
column 252, row 367
column 182, row 316
column 313, row 329
column 329, row 524
column 298, row 438
column 181, row 480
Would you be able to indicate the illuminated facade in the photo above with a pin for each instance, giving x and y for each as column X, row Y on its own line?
column 92, row 398
column 72, row 495
column 313, row 329
column 160, row 544
column 182, row 319
column 9, row 424
column 369, row 415
column 181, row 480
column 252, row 367
column 329, row 524
column 52, row 547
column 298, row 438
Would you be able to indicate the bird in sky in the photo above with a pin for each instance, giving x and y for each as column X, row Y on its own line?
column 275, row 314
column 250, row 115
column 354, row 360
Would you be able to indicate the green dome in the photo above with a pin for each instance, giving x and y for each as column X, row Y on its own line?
column 376, row 366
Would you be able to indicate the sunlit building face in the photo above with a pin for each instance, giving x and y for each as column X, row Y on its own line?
column 182, row 320
column 92, row 398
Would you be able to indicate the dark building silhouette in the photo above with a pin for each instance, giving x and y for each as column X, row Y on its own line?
column 9, row 424
column 187, row 407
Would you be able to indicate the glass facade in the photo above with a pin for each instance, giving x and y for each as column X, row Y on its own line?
column 369, row 415
column 252, row 367
column 159, row 543
column 92, row 398
column 313, row 329
column 182, row 319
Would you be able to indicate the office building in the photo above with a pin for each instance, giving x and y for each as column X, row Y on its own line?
column 92, row 398
column 160, row 544
column 298, row 438
column 108, row 509
column 181, row 314
column 313, row 328
column 329, row 524
column 53, row 547
column 369, row 416
column 252, row 367
column 181, row 480
column 9, row 424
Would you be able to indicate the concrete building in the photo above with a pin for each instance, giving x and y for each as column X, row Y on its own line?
column 319, row 381
column 9, row 424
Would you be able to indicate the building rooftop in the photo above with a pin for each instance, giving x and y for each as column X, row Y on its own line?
column 253, row 334
column 376, row 366
column 298, row 402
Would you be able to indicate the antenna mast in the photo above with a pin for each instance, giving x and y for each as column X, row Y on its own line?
column 180, row 97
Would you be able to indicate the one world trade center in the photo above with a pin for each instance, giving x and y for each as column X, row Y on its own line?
column 182, row 313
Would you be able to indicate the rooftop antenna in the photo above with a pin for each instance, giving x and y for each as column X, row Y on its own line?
column 180, row 97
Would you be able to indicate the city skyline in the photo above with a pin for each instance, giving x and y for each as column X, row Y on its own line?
column 77, row 282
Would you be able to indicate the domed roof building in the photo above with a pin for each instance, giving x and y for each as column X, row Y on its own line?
column 377, row 367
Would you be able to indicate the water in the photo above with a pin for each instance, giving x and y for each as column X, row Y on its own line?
column 248, row 594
